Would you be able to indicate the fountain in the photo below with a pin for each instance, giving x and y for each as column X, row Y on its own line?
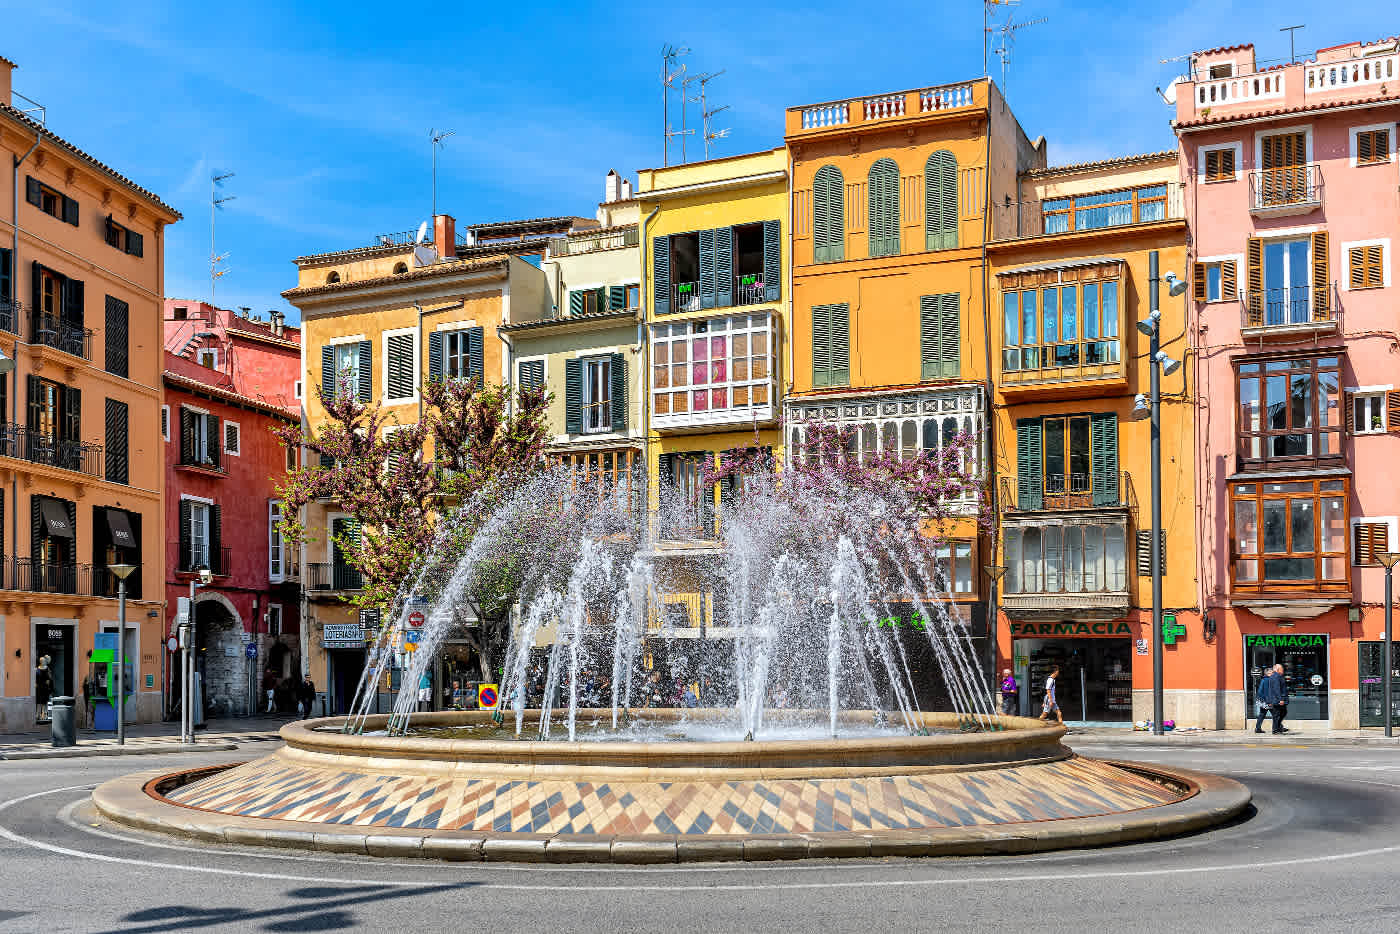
column 766, row 695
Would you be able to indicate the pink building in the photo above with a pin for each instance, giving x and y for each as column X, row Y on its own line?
column 229, row 383
column 1293, row 201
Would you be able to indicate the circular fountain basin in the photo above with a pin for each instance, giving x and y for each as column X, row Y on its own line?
column 1010, row 789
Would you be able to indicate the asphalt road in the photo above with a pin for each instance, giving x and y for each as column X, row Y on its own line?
column 1321, row 853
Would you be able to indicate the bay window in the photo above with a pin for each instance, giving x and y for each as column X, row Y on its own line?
column 1106, row 209
column 1289, row 534
column 1066, row 557
column 1290, row 410
column 710, row 371
column 1067, row 325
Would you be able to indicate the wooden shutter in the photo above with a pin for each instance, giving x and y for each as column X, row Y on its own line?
column 328, row 371
column 476, row 351
column 117, row 442
column 829, row 215
column 114, row 334
column 617, row 398
column 7, row 276
column 1229, row 281
column 1392, row 411
column 135, row 244
column 33, row 193
column 183, row 561
column 707, row 268
column 531, row 374
column 1103, row 432
column 435, row 355
column 365, row 365
column 576, row 302
column 1144, row 552
column 617, row 297
column 821, row 346
column 70, row 211
column 216, row 540
column 36, row 291
column 929, row 326
column 1212, row 164
column 940, row 336
column 661, row 275
column 840, row 344
column 1369, row 539
column 214, row 441
column 772, row 261
column 884, row 208
column 73, row 302
column 724, row 266
column 187, row 435
column 941, row 201
column 1029, row 470
column 1198, row 282
column 1321, row 278
column 31, row 385
column 1365, row 268
column 573, row 396
column 1254, row 281
column 399, row 363
column 72, row 414
column 1365, row 151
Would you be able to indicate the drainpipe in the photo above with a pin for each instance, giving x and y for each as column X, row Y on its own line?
column 14, row 279
column 418, row 308
column 646, row 365
column 510, row 371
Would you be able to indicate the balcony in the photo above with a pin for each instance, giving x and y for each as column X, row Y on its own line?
column 1081, row 213
column 329, row 576
column 749, row 290
column 1294, row 189
column 1067, row 565
column 11, row 314
column 1289, row 313
column 1059, row 492
column 685, row 296
column 33, row 575
column 615, row 238
column 40, row 448
column 883, row 108
column 219, row 562
column 48, row 330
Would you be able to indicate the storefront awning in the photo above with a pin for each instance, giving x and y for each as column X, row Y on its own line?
column 120, row 527
column 55, row 516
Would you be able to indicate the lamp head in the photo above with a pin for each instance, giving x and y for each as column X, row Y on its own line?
column 1168, row 364
column 1388, row 558
column 1175, row 286
column 994, row 571
column 1148, row 325
column 122, row 571
column 1141, row 407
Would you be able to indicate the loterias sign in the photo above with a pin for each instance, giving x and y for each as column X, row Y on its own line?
column 1119, row 628
column 1287, row 642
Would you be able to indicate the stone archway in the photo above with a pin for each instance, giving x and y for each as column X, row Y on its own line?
column 219, row 656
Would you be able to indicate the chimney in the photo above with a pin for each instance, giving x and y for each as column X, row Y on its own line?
column 611, row 192
column 275, row 318
column 6, row 88
column 445, row 235
column 627, row 189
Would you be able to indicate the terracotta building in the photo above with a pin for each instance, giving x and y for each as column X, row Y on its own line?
column 82, row 252
column 229, row 384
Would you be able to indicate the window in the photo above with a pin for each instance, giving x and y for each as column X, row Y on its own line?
column 884, row 208
column 7, row 289
column 1368, row 413
column 275, row 570
column 457, row 360
column 1067, row 462
column 941, row 201
column 50, row 201
column 52, row 545
column 332, row 278
column 607, row 472
column 165, row 423
column 400, row 269
column 1066, row 557
column 1284, row 177
column 116, row 539
column 1291, row 534
column 347, row 367
column 291, row 457
column 1216, row 281
column 1068, row 325
column 589, row 301
column 1108, row 209
column 233, row 439
column 1372, row 146
column 829, row 215
column 1289, row 281
column 1370, row 537
column 1289, row 409
column 632, row 295
column 116, row 358
column 296, row 389
column 831, row 345
column 124, row 239
column 595, row 391
column 181, row 314
column 209, row 357
column 531, row 375
column 1366, row 266
column 954, row 567
column 713, row 370
column 198, row 534
column 1222, row 71
column 54, row 423
column 456, row 354
column 597, row 394
column 940, row 331
column 401, row 366
column 687, row 501
column 1220, row 164
column 199, row 439
column 117, row 453
column 717, row 268
column 274, row 619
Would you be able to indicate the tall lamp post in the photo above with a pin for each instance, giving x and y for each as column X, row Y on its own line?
column 121, row 572
column 1389, row 559
column 995, row 572
column 1151, row 407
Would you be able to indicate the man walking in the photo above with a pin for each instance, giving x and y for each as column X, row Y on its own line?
column 1273, row 692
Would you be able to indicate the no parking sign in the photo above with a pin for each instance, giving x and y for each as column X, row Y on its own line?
column 486, row 696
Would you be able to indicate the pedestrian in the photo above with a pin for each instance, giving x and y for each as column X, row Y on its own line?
column 269, row 684
column 1274, row 690
column 306, row 696
column 1009, row 688
column 43, row 689
column 1051, row 704
column 1261, row 705
column 425, row 692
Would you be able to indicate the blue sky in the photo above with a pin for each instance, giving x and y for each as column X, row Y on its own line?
column 323, row 109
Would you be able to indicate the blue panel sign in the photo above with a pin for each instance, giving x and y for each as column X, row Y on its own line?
column 251, row 650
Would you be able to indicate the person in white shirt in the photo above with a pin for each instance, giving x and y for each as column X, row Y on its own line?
column 1051, row 704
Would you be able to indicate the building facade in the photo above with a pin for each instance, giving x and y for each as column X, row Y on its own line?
column 1070, row 265
column 81, row 275
column 229, row 387
column 1291, row 180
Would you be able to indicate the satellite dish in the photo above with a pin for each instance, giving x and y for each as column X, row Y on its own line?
column 422, row 232
column 1170, row 93
column 424, row 255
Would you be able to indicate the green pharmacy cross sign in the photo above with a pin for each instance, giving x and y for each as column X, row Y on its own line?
column 1171, row 629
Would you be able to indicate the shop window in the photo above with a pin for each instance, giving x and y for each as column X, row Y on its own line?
column 1066, row 558
column 1289, row 535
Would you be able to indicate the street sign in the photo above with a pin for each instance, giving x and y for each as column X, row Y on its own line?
column 486, row 696
column 416, row 619
column 250, row 650
column 411, row 636
column 172, row 644
column 410, row 646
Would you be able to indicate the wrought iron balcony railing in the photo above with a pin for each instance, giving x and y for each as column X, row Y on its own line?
column 40, row 448
column 1292, row 189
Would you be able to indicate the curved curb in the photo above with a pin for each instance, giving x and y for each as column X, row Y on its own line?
column 137, row 801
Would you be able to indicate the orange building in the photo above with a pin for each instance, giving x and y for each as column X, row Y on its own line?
column 82, row 252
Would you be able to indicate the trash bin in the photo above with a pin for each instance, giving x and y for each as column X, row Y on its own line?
column 63, row 729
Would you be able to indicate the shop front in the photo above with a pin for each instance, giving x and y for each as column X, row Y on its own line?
column 345, row 663
column 1095, row 659
column 1371, row 668
column 1304, row 658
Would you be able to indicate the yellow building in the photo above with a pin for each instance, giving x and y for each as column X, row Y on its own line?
column 392, row 315
column 1070, row 258
column 82, row 466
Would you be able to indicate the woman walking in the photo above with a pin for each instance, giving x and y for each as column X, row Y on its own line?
column 43, row 689
column 1051, row 704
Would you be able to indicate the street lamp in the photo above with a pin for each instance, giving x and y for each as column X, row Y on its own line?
column 121, row 572
column 1389, row 559
column 995, row 572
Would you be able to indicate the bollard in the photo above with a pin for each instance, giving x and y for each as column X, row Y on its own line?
column 62, row 728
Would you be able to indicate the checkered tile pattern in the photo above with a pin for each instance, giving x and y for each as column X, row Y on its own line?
column 270, row 788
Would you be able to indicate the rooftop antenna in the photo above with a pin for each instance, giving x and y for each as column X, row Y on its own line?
column 1292, row 55
column 216, row 182
column 706, row 113
column 437, row 139
column 669, row 54
column 987, row 26
column 1007, row 31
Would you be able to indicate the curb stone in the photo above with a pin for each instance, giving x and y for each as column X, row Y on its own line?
column 78, row 752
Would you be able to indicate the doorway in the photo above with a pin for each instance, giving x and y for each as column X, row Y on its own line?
column 346, row 668
column 57, row 641
column 1372, row 673
column 1095, row 682
column 1304, row 660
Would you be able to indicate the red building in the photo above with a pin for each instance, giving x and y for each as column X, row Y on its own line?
column 230, row 381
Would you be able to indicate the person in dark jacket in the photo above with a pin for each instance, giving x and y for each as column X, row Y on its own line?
column 1273, row 692
column 306, row 695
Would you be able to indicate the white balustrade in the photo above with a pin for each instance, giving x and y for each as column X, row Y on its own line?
column 1241, row 88
column 825, row 115
column 884, row 107
column 952, row 95
column 1337, row 76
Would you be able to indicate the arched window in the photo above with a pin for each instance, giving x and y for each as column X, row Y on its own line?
column 941, row 201
column 829, row 215
column 332, row 278
column 400, row 268
column 884, row 208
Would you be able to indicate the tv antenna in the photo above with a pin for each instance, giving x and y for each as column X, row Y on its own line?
column 987, row 26
column 708, row 135
column 216, row 181
column 669, row 74
column 1007, row 31
column 437, row 139
column 1292, row 55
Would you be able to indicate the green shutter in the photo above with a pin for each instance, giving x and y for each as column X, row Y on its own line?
column 328, row 371
column 435, row 355
column 941, row 201
column 476, row 354
column 1029, row 484
column 707, row 268
column 365, row 365
column 724, row 267
column 573, row 396
column 617, row 297
column 661, row 275
column 840, row 345
column 772, row 261
column 940, row 330
column 618, row 397
column 884, row 208
column 829, row 215
column 1104, row 439
column 575, row 302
